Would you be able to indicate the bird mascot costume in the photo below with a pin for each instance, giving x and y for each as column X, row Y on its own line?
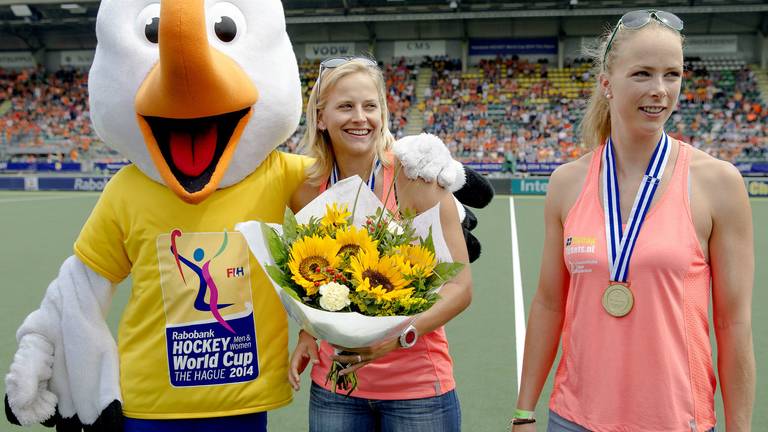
column 198, row 94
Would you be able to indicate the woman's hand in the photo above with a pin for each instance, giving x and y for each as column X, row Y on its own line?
column 530, row 427
column 305, row 352
column 362, row 356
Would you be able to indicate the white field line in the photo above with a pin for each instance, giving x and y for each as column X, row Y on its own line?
column 42, row 198
column 517, row 282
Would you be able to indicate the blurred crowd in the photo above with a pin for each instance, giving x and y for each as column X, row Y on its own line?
column 508, row 109
column 502, row 110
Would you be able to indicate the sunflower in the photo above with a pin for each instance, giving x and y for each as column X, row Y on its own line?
column 310, row 256
column 380, row 294
column 353, row 241
column 419, row 260
column 335, row 215
column 380, row 277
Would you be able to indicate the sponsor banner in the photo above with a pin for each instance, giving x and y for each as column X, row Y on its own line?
column 110, row 166
column 758, row 188
column 538, row 168
column 488, row 47
column 12, row 183
column 80, row 58
column 88, row 184
column 711, row 44
column 321, row 51
column 210, row 332
column 485, row 167
column 747, row 168
column 530, row 186
column 16, row 60
column 420, row 48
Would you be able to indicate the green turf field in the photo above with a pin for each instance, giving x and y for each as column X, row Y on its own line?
column 38, row 229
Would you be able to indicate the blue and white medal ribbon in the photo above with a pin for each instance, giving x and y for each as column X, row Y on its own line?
column 335, row 176
column 618, row 299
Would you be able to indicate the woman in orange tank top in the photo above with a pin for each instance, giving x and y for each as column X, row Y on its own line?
column 405, row 383
column 636, row 233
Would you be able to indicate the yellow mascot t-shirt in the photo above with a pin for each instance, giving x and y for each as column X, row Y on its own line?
column 203, row 333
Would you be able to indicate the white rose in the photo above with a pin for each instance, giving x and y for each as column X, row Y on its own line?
column 334, row 297
column 395, row 228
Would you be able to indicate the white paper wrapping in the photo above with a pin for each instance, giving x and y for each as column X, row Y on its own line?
column 344, row 329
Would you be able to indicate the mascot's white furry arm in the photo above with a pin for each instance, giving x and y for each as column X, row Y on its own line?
column 197, row 94
column 67, row 358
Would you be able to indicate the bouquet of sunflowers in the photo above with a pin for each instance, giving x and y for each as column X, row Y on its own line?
column 349, row 271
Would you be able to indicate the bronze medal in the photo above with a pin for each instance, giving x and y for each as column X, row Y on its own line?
column 618, row 300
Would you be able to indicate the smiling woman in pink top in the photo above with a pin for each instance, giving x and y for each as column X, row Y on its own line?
column 405, row 383
column 636, row 233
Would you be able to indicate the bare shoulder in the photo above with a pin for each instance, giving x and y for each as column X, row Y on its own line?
column 303, row 196
column 719, row 184
column 566, row 183
column 714, row 175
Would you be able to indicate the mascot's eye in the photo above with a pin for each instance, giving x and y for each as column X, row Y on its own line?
column 148, row 24
column 226, row 22
column 152, row 29
column 226, row 29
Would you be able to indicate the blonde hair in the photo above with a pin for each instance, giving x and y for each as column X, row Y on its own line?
column 596, row 125
column 316, row 143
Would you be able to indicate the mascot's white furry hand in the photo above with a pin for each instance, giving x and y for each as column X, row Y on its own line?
column 426, row 156
column 66, row 369
column 27, row 382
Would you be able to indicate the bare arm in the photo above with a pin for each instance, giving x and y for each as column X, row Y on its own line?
column 732, row 260
column 303, row 195
column 545, row 320
column 456, row 295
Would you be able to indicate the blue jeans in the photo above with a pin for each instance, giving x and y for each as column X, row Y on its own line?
column 250, row 422
column 560, row 424
column 329, row 412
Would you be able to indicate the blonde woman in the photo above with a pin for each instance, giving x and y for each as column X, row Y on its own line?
column 636, row 233
column 406, row 383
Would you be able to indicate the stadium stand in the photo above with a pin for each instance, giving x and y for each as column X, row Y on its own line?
column 504, row 110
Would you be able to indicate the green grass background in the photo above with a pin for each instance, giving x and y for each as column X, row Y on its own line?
column 37, row 231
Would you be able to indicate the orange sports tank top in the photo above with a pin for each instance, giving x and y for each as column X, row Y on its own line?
column 652, row 369
column 424, row 370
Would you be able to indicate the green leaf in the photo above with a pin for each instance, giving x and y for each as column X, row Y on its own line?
column 282, row 280
column 428, row 242
column 290, row 226
column 275, row 244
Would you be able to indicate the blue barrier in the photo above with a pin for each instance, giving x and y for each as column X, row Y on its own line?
column 485, row 167
column 42, row 166
column 753, row 168
column 494, row 47
column 537, row 168
column 88, row 184
column 110, row 166
column 12, row 183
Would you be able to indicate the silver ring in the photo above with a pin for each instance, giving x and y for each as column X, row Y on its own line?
column 359, row 358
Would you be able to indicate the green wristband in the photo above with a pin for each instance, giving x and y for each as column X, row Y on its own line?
column 523, row 414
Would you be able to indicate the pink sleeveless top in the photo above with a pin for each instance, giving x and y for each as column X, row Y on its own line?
column 424, row 370
column 652, row 369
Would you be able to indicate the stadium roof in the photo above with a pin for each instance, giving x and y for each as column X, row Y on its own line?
column 47, row 12
column 50, row 21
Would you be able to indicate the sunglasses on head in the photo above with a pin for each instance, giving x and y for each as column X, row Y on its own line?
column 639, row 19
column 335, row 62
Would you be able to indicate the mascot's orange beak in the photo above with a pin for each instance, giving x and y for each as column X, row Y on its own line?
column 194, row 104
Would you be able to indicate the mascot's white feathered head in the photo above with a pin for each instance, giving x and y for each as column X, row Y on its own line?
column 196, row 93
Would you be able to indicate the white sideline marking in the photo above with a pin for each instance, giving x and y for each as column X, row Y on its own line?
column 517, row 282
column 41, row 198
